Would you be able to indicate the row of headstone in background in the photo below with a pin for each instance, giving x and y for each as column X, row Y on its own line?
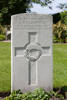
column 31, row 52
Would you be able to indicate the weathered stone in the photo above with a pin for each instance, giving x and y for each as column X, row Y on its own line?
column 31, row 52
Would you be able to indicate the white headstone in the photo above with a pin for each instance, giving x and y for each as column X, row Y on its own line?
column 31, row 52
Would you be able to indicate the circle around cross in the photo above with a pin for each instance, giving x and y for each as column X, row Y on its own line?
column 33, row 52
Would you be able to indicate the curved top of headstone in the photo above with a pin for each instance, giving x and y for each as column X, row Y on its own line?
column 32, row 14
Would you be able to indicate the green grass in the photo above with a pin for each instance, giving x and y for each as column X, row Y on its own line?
column 5, row 63
column 59, row 64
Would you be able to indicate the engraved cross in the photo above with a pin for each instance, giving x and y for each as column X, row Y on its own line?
column 32, row 51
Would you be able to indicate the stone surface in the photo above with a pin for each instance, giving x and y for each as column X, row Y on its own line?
column 1, row 98
column 31, row 52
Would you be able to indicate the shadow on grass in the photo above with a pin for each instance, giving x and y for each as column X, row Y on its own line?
column 62, row 90
column 4, row 94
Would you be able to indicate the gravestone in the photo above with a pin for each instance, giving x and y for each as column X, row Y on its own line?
column 31, row 52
